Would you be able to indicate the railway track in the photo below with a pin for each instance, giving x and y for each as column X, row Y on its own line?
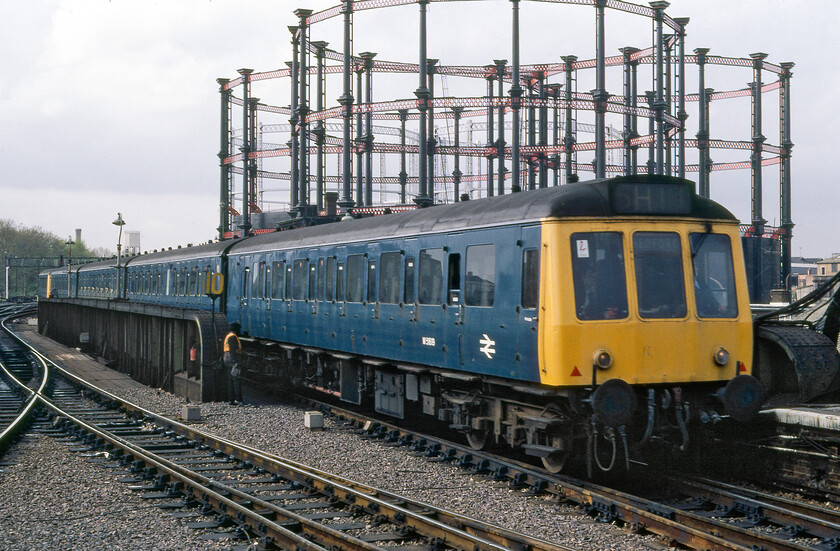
column 699, row 514
column 231, row 488
column 265, row 497
column 18, row 376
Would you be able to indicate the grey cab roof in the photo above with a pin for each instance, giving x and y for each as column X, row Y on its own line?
column 583, row 199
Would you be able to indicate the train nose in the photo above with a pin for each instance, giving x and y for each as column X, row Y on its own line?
column 741, row 397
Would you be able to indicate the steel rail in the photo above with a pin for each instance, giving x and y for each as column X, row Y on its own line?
column 684, row 527
column 414, row 517
column 16, row 425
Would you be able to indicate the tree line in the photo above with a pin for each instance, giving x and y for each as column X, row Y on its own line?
column 27, row 251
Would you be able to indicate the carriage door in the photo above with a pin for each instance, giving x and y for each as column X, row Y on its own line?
column 528, row 276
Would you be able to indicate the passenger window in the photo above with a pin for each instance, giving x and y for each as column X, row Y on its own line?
column 182, row 281
column 371, row 282
column 408, row 294
column 329, row 285
column 714, row 277
column 339, row 282
column 300, row 279
column 255, row 280
column 277, row 280
column 321, row 273
column 194, row 288
column 355, row 278
column 453, row 280
column 389, row 278
column 480, row 285
column 313, row 281
column 599, row 275
column 261, row 291
column 431, row 276
column 288, row 295
column 659, row 274
column 530, row 278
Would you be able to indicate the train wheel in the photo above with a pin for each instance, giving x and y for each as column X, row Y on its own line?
column 478, row 439
column 555, row 462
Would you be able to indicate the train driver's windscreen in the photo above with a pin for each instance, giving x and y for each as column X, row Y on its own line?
column 598, row 274
column 660, row 284
column 714, row 276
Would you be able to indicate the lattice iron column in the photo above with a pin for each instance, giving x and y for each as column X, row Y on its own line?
column 423, row 199
column 758, row 138
column 245, row 224
column 367, row 57
column 542, row 162
column 252, row 162
column 569, row 137
column 515, row 101
column 456, row 174
column 629, row 102
column 346, row 100
column 784, row 171
column 224, row 152
column 294, row 120
column 360, row 138
column 681, row 113
column 430, row 158
column 491, row 75
column 659, row 100
column 650, row 96
column 667, row 109
column 320, row 130
column 403, row 174
column 703, row 131
column 500, row 143
column 303, row 111
column 599, row 94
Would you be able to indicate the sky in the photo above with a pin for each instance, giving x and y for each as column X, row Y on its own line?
column 113, row 106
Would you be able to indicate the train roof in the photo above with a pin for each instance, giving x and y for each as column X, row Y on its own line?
column 582, row 199
column 208, row 250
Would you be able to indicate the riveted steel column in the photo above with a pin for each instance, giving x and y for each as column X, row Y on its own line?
column 320, row 130
column 599, row 94
column 515, row 101
column 368, row 60
column 245, row 224
column 758, row 138
column 555, row 137
column 650, row 96
column 532, row 136
column 659, row 101
column 346, row 101
column 224, row 152
column 681, row 113
column 303, row 111
column 432, row 140
column 490, row 119
column 500, row 143
column 252, row 140
column 360, row 138
column 703, row 132
column 543, row 140
column 667, row 108
column 569, row 137
column 294, row 121
column 784, row 170
column 403, row 174
column 422, row 93
column 456, row 174
column 629, row 166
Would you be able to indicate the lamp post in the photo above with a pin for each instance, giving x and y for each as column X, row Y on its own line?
column 119, row 222
column 69, row 244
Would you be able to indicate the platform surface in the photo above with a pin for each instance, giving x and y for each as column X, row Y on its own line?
column 76, row 362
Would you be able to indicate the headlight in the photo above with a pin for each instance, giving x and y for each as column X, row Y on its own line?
column 603, row 359
column 721, row 356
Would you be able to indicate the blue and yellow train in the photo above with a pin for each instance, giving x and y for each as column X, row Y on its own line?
column 594, row 317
